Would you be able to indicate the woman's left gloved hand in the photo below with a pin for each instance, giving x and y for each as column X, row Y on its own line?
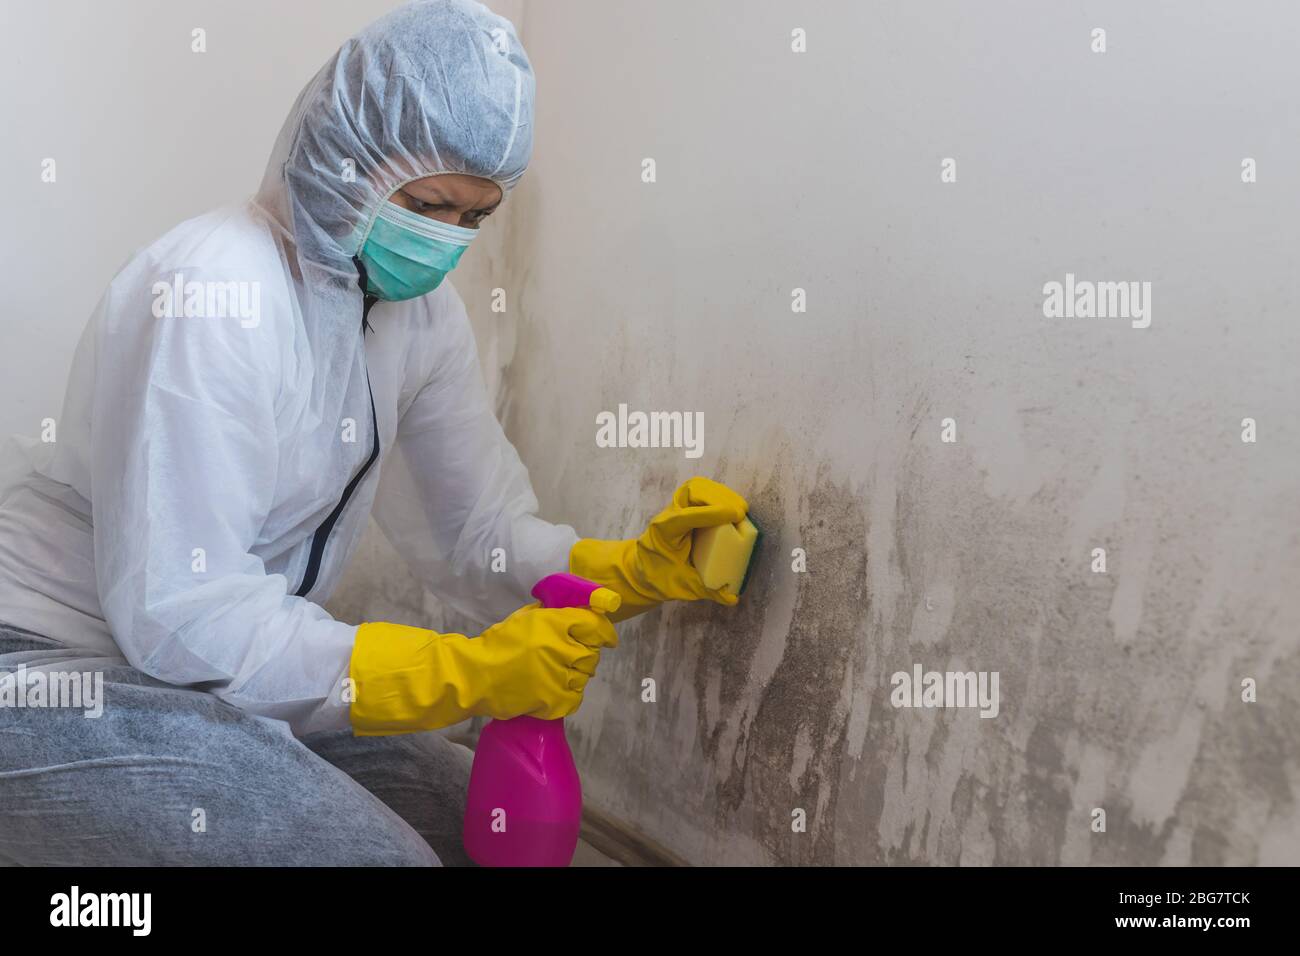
column 656, row 567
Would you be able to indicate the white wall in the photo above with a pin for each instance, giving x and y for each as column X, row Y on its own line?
column 821, row 171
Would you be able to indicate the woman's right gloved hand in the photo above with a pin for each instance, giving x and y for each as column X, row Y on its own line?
column 536, row 662
column 656, row 567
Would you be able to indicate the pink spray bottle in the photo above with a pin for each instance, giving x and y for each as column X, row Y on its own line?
column 524, row 805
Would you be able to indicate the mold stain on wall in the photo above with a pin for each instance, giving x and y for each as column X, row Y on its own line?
column 775, row 740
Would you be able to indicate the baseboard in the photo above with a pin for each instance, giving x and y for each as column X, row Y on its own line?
column 622, row 843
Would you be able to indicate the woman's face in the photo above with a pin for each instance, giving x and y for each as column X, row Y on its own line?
column 451, row 198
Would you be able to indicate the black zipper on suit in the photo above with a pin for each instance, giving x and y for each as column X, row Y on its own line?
column 322, row 535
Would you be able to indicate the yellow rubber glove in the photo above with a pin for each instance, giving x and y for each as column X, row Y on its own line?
column 535, row 662
column 656, row 567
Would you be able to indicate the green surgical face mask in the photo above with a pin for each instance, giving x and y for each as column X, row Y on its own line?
column 407, row 255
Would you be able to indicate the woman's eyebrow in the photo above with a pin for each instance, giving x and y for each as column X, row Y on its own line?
column 434, row 198
column 437, row 198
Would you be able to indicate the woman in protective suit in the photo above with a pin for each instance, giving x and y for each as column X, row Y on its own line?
column 214, row 470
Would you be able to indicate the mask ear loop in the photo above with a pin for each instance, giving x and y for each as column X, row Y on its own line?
column 368, row 300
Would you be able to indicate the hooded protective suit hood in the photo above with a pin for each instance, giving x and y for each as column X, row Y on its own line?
column 438, row 86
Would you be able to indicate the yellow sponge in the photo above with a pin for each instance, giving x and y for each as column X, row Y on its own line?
column 721, row 554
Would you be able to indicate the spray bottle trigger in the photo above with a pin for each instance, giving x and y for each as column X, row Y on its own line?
column 603, row 599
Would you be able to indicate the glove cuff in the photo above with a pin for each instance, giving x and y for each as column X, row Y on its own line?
column 612, row 564
column 395, row 681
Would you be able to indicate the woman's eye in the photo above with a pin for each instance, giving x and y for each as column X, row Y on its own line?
column 419, row 205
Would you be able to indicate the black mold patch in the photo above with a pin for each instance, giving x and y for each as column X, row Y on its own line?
column 728, row 638
column 800, row 705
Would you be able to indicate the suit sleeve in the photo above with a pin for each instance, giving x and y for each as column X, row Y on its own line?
column 455, row 499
